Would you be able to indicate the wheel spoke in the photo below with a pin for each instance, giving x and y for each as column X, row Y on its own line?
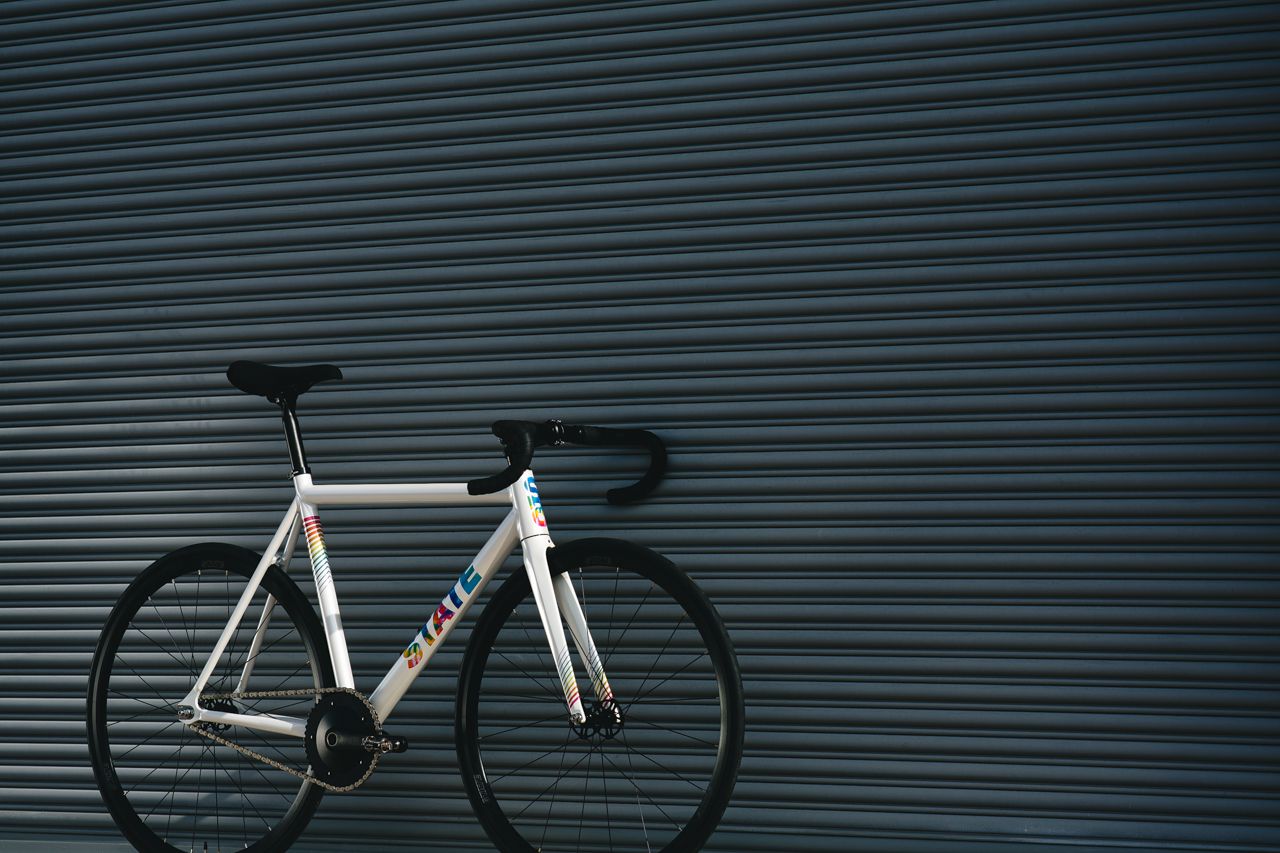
column 551, row 805
column 244, row 655
column 172, row 791
column 508, row 694
column 253, row 705
column 648, row 632
column 196, row 817
column 530, row 763
column 289, row 677
column 170, row 757
column 549, row 691
column 153, row 642
column 258, row 770
column 132, row 698
column 555, row 783
column 639, row 791
column 217, row 816
column 665, row 680
column 229, row 653
column 604, row 788
column 613, row 602
column 617, row 641
column 586, row 789
column 491, row 735
column 186, row 733
column 249, row 800
column 168, row 705
column 675, row 732
column 662, row 766
column 191, row 635
column 144, row 741
column 135, row 716
column 674, row 628
column 165, row 625
column 284, row 757
column 265, row 648
column 524, row 624
column 190, row 793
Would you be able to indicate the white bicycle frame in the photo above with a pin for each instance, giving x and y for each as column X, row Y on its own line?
column 525, row 523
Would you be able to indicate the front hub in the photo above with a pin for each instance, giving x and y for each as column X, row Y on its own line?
column 604, row 721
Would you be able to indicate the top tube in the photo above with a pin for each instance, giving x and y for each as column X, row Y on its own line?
column 392, row 494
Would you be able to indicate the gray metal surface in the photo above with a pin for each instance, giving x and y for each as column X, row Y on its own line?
column 960, row 320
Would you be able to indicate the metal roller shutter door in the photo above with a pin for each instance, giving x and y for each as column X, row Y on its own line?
column 960, row 320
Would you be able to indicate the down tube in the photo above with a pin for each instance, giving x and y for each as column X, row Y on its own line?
column 431, row 636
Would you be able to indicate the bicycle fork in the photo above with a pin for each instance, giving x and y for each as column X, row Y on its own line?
column 557, row 601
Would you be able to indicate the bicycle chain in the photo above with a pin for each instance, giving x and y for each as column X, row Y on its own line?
column 285, row 694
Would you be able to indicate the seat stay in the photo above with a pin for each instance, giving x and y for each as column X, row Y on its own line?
column 282, row 539
column 264, row 618
column 255, row 645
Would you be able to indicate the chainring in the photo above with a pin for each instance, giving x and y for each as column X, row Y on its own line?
column 337, row 728
column 212, row 699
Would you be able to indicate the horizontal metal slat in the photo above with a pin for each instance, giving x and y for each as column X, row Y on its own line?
column 958, row 319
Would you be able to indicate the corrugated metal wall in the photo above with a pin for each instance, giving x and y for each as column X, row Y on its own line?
column 960, row 320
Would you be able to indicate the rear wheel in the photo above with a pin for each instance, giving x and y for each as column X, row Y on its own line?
column 653, row 771
column 169, row 787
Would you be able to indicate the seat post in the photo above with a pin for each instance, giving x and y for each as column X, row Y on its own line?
column 297, row 456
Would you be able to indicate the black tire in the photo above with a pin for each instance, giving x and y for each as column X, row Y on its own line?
column 660, row 783
column 166, row 786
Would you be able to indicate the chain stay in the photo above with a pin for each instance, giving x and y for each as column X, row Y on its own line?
column 284, row 694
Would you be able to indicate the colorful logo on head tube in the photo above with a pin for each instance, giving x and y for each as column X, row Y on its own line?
column 535, row 503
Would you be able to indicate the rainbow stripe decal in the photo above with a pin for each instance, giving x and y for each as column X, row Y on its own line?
column 567, row 681
column 315, row 547
column 599, row 682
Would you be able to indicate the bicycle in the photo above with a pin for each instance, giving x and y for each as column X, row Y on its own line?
column 205, row 734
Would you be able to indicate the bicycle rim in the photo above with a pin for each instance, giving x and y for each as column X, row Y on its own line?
column 662, row 779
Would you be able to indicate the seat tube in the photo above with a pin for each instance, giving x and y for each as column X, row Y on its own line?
column 326, row 595
column 534, row 542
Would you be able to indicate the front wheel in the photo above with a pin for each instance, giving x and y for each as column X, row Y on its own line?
column 659, row 779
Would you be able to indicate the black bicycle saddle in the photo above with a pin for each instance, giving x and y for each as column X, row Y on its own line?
column 279, row 383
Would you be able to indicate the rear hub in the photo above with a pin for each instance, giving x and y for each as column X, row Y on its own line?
column 224, row 705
